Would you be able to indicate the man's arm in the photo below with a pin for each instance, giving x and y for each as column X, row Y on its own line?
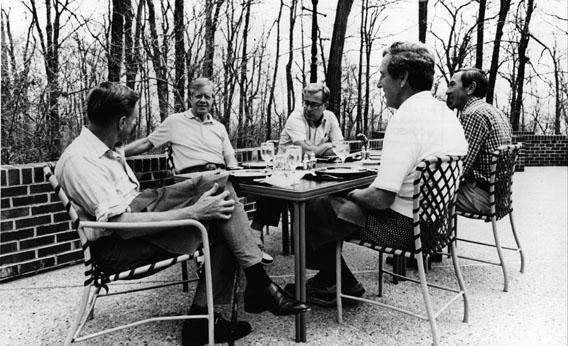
column 319, row 150
column 372, row 198
column 138, row 146
column 476, row 133
column 207, row 207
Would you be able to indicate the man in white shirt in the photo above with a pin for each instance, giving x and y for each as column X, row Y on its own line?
column 312, row 127
column 382, row 213
column 199, row 142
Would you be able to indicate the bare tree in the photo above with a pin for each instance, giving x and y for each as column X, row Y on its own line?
column 480, row 34
column 179, row 63
column 503, row 10
column 243, row 111
column 274, row 75
column 120, row 9
column 212, row 9
column 422, row 19
column 289, row 80
column 132, row 52
column 159, row 60
column 333, row 76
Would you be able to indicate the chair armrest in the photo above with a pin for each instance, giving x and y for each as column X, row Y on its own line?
column 142, row 225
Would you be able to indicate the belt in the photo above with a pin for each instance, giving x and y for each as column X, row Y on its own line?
column 202, row 168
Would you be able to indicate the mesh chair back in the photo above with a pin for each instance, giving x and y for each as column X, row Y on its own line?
column 503, row 164
column 75, row 222
column 435, row 186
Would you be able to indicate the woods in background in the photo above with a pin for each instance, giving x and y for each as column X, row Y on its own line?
column 260, row 60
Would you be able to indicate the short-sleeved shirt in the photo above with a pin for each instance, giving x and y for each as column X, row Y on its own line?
column 486, row 129
column 96, row 179
column 421, row 127
column 194, row 142
column 297, row 129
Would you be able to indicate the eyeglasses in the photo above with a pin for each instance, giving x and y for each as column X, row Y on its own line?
column 310, row 104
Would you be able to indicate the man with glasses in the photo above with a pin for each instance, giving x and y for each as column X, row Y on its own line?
column 313, row 127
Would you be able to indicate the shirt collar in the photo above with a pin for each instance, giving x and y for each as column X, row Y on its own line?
column 97, row 147
column 208, row 118
column 471, row 101
column 416, row 98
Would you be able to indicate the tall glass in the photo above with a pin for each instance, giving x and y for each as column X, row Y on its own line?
column 341, row 149
column 294, row 156
column 267, row 152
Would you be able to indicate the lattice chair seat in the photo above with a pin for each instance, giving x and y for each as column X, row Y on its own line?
column 435, row 186
column 96, row 279
column 503, row 164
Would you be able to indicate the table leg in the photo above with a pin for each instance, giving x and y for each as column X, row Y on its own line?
column 299, row 229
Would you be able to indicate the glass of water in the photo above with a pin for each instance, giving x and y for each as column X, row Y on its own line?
column 267, row 152
column 341, row 149
column 294, row 156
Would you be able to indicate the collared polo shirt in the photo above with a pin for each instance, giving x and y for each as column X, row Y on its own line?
column 297, row 129
column 421, row 127
column 96, row 179
column 195, row 142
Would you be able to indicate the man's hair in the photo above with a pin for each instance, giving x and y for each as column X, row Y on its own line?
column 314, row 88
column 473, row 74
column 414, row 58
column 109, row 101
column 199, row 83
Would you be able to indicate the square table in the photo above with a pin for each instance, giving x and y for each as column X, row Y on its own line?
column 298, row 194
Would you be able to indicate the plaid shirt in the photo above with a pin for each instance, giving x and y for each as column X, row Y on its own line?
column 486, row 128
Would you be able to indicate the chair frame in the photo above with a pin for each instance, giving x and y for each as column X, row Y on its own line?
column 419, row 252
column 497, row 157
column 95, row 279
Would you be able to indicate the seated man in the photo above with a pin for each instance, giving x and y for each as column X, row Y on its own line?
column 486, row 129
column 382, row 213
column 96, row 177
column 314, row 129
column 199, row 142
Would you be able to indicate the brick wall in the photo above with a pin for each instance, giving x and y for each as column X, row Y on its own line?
column 36, row 235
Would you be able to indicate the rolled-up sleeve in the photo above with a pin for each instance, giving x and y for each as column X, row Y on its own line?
column 161, row 135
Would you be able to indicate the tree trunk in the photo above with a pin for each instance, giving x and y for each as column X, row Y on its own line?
column 363, row 25
column 119, row 9
column 179, row 64
column 289, row 80
column 158, row 62
column 211, row 20
column 422, row 19
column 523, row 59
column 274, row 76
column 334, row 70
column 132, row 44
column 314, row 64
column 243, row 80
column 503, row 10
column 480, row 28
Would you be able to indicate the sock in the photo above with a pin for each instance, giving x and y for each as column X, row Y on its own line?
column 257, row 279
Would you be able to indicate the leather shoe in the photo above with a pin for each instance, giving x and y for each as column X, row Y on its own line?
column 194, row 332
column 274, row 299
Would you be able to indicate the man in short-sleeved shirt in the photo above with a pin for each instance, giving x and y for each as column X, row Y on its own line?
column 313, row 127
column 486, row 129
column 199, row 142
column 382, row 213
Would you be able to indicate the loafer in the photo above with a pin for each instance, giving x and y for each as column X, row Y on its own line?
column 273, row 299
column 194, row 332
column 326, row 296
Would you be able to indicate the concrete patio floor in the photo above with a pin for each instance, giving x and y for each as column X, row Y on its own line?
column 38, row 310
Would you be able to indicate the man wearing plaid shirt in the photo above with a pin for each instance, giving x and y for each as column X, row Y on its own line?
column 486, row 128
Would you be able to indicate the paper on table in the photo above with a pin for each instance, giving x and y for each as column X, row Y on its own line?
column 284, row 179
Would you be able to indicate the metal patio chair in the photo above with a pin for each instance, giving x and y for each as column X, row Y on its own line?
column 503, row 163
column 96, row 278
column 435, row 186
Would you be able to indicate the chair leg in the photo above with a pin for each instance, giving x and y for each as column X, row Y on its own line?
column 461, row 283
column 184, row 276
column 285, row 232
column 235, row 299
column 85, row 301
column 518, row 243
column 380, row 294
column 338, row 282
column 427, row 302
column 500, row 254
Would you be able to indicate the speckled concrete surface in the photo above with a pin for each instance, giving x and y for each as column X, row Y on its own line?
column 38, row 310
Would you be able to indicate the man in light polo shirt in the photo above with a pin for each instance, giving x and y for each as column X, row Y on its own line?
column 312, row 127
column 382, row 213
column 199, row 142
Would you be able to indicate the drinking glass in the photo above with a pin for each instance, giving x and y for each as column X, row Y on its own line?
column 267, row 152
column 341, row 149
column 294, row 156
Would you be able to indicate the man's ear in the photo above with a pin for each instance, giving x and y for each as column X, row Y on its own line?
column 471, row 88
column 404, row 79
column 121, row 123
